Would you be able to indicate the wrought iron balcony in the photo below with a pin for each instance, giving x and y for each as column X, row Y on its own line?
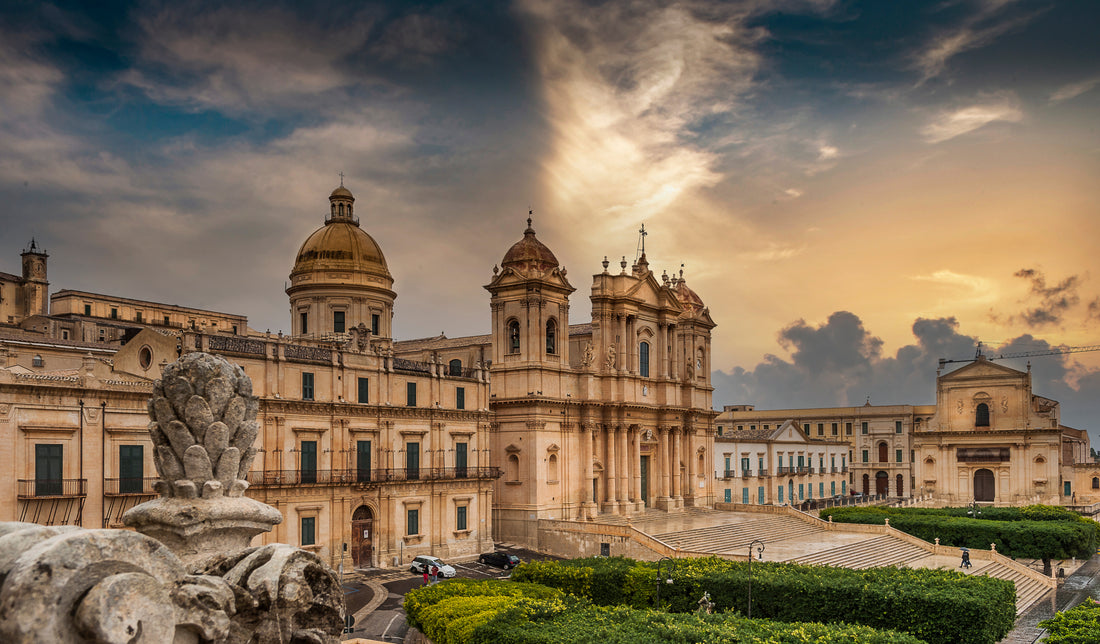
column 730, row 474
column 39, row 488
column 277, row 478
column 129, row 486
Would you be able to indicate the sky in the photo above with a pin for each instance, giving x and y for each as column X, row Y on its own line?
column 855, row 189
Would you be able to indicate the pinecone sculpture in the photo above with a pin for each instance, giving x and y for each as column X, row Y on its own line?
column 204, row 424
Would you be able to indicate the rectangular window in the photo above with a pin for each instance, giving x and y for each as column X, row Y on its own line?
column 337, row 321
column 166, row 321
column 412, row 461
column 307, row 385
column 848, row 429
column 863, row 428
column 806, row 427
column 88, row 309
column 832, row 488
column 760, row 465
column 727, row 466
column 114, row 313
column 138, row 318
column 234, row 329
column 364, row 391
column 752, row 426
column 412, row 522
column 801, row 461
column 64, row 334
column 745, row 467
column 460, row 398
column 760, row 495
column 460, row 517
column 865, row 456
column 897, row 426
column 745, row 495
column 460, row 460
column 843, row 487
column 779, row 462
column 897, row 455
column 780, row 493
column 307, row 463
column 303, row 323
column 740, row 427
column 309, row 531
column 728, row 498
column 47, row 470
column 362, row 461
column 801, row 494
column 821, row 429
column 835, row 430
column 131, row 468
column 374, row 319
column 821, row 489
column 410, row 394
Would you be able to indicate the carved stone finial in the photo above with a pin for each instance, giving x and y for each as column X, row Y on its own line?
column 605, row 263
column 623, row 264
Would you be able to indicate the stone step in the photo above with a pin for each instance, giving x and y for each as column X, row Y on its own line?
column 883, row 550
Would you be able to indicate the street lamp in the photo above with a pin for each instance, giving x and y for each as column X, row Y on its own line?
column 668, row 578
column 975, row 510
column 759, row 553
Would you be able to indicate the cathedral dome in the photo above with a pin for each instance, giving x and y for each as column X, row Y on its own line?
column 341, row 245
column 687, row 297
column 529, row 252
column 341, row 191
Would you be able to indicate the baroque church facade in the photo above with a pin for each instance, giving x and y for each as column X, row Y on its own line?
column 376, row 450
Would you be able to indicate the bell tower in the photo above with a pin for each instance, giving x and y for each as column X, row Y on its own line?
column 36, row 288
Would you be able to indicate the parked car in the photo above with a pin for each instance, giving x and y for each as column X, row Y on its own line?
column 500, row 560
column 424, row 563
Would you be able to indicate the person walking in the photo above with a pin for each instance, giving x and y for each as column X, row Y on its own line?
column 965, row 559
column 425, row 576
column 435, row 574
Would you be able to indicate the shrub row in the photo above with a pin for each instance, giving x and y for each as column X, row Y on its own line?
column 1079, row 625
column 493, row 612
column 1053, row 534
column 935, row 605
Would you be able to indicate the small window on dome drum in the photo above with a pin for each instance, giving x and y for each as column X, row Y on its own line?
column 338, row 322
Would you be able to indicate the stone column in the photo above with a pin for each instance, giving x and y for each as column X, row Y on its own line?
column 674, row 361
column 623, row 344
column 610, row 472
column 689, row 448
column 662, row 477
column 677, row 483
column 636, row 462
column 588, row 507
column 625, row 490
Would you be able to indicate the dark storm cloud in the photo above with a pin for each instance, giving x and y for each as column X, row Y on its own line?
column 838, row 363
column 1054, row 301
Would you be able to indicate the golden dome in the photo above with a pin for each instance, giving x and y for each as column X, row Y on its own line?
column 341, row 245
column 341, row 191
column 529, row 252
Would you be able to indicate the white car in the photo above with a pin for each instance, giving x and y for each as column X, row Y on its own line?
column 424, row 563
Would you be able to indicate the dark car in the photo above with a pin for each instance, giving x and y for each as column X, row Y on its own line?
column 500, row 560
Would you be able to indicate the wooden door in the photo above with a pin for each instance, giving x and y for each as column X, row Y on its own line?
column 984, row 486
column 362, row 537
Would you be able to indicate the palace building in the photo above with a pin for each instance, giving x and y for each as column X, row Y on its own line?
column 375, row 450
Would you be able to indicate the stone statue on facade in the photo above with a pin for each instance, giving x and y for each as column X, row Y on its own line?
column 611, row 356
column 188, row 574
column 588, row 356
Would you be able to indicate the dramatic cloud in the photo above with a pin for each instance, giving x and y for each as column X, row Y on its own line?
column 949, row 124
column 1054, row 300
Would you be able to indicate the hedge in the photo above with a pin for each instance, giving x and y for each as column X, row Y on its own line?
column 1038, row 531
column 491, row 612
column 938, row 606
column 1079, row 625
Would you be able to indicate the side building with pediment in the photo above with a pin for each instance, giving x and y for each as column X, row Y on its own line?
column 991, row 440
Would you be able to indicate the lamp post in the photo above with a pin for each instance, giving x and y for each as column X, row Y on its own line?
column 975, row 510
column 759, row 553
column 668, row 579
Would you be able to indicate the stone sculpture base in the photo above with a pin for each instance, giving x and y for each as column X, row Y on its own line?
column 197, row 529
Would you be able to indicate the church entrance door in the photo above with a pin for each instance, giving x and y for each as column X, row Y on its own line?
column 882, row 483
column 984, row 486
column 362, row 537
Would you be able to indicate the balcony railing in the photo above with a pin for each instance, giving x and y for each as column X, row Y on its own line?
column 129, row 486
column 802, row 469
column 746, row 473
column 784, row 469
column 274, row 478
column 37, row 488
column 762, row 472
column 730, row 474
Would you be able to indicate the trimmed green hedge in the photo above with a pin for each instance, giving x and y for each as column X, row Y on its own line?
column 1079, row 625
column 493, row 612
column 1036, row 531
column 937, row 606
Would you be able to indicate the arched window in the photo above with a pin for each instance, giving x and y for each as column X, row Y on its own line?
column 552, row 468
column 37, row 361
column 513, row 336
column 512, row 470
column 454, row 367
column 643, row 359
column 883, row 452
column 1095, row 483
column 981, row 416
column 551, row 336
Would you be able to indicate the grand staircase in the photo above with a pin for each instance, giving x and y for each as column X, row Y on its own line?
column 883, row 550
column 1028, row 590
column 736, row 537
